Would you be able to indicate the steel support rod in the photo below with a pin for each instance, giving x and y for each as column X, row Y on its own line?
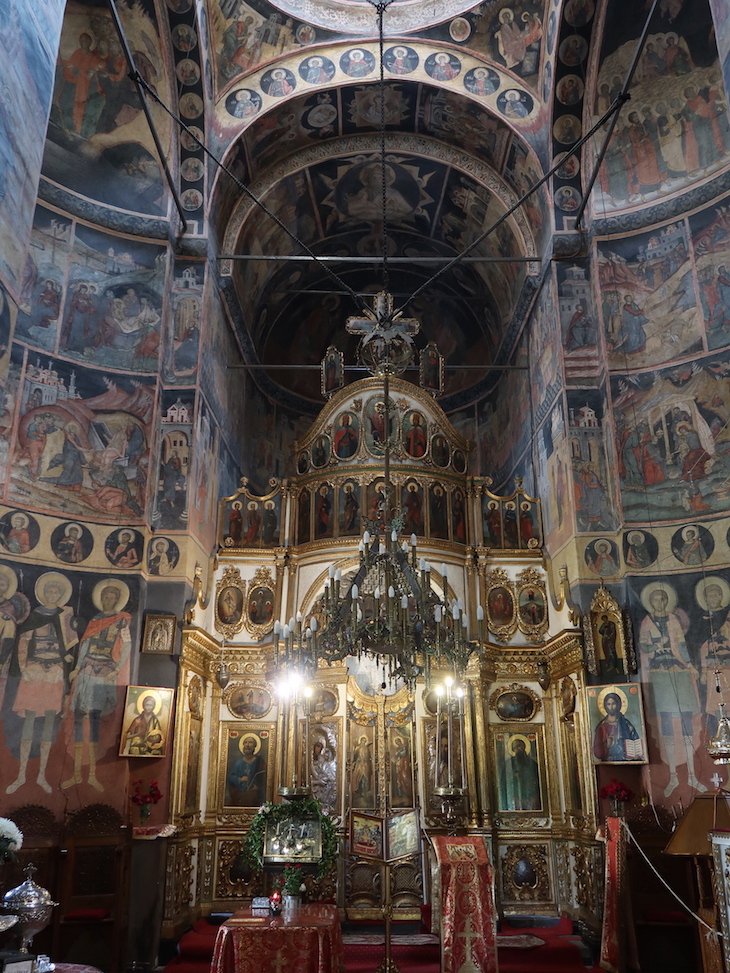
column 376, row 260
column 136, row 78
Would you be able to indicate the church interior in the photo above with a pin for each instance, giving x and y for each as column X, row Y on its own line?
column 365, row 475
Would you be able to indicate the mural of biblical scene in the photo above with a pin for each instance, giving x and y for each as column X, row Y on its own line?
column 683, row 636
column 9, row 402
column 675, row 130
column 710, row 230
column 672, row 440
column 111, row 314
column 349, row 509
column 99, row 142
column 554, row 479
column 304, row 513
column 545, row 349
column 594, row 507
column 186, row 300
column 578, row 324
column 515, row 33
column 218, row 351
column 458, row 517
column 176, row 431
column 499, row 417
column 40, row 292
column 203, row 493
column 648, row 302
column 522, row 171
column 82, row 442
column 28, row 35
column 247, row 34
column 269, row 437
column 8, row 313
column 71, row 657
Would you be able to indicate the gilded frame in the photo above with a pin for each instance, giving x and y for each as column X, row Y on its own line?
column 230, row 600
column 262, row 588
column 502, row 623
column 518, row 697
column 520, row 783
column 326, row 786
column 429, row 750
column 608, row 637
column 231, row 738
column 158, row 637
column 248, row 700
column 367, row 835
column 150, row 736
column 532, row 604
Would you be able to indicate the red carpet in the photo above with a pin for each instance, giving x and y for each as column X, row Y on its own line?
column 559, row 954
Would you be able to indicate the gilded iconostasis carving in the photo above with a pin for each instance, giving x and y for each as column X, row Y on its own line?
column 573, row 408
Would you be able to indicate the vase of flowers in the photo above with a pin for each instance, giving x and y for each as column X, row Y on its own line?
column 145, row 799
column 293, row 887
column 11, row 839
column 618, row 794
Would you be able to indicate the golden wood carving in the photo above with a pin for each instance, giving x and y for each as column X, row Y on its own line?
column 501, row 604
column 525, row 874
column 261, row 598
column 532, row 604
column 230, row 601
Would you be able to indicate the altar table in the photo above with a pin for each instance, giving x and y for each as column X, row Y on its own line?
column 307, row 940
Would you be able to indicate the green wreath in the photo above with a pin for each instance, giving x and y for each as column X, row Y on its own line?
column 301, row 810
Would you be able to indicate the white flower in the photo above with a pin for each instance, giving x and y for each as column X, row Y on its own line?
column 11, row 837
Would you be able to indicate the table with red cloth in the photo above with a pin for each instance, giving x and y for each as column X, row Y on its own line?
column 468, row 918
column 306, row 940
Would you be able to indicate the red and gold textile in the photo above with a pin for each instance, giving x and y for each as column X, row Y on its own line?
column 468, row 921
column 305, row 941
column 618, row 942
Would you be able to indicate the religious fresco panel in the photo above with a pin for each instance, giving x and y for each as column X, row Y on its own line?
column 218, row 352
column 592, row 484
column 59, row 624
column 361, row 106
column 113, row 306
column 553, row 476
column 649, row 304
column 675, row 130
column 672, row 440
column 28, row 38
column 682, row 635
column 578, row 321
column 710, row 232
column 82, row 441
column 721, row 18
column 544, row 345
column 42, row 278
column 184, row 320
column 8, row 317
column 175, row 460
column 504, row 424
column 99, row 143
column 204, row 481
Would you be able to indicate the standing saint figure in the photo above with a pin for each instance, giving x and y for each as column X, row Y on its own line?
column 102, row 666
column 44, row 652
column 671, row 680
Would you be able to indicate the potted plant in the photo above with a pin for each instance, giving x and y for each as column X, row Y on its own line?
column 293, row 886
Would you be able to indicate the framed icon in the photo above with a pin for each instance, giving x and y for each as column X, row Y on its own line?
column 366, row 835
column 158, row 637
column 146, row 723
column 616, row 718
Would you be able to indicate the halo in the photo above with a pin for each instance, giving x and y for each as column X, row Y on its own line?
column 59, row 579
column 690, row 531
column 68, row 527
column 250, row 736
column 237, row 504
column 602, row 545
column 122, row 593
column 19, row 516
column 161, row 541
column 511, row 743
column 154, row 693
column 635, row 537
column 11, row 578
column 668, row 590
column 704, row 583
column 606, row 691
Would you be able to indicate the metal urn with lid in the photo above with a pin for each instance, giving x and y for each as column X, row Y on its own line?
column 32, row 904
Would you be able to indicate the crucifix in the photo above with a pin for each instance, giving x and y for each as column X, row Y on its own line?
column 716, row 780
column 468, row 966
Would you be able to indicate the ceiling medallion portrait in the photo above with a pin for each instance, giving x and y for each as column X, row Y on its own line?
column 360, row 17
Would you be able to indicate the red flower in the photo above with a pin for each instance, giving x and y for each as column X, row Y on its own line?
column 152, row 795
column 617, row 791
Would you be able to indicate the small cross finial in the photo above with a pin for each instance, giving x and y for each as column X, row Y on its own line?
column 716, row 780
